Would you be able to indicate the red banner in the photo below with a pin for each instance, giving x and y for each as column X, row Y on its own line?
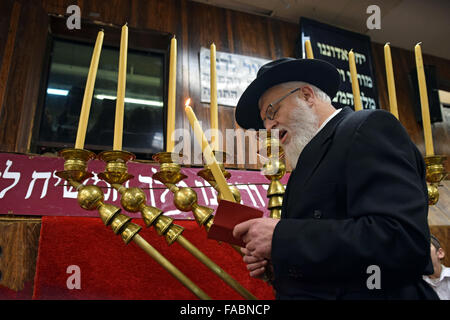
column 29, row 186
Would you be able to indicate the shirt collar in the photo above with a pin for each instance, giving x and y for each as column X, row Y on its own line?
column 444, row 273
column 328, row 119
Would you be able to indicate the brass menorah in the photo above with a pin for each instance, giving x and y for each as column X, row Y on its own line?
column 134, row 200
column 91, row 197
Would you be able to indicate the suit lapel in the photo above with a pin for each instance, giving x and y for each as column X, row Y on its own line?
column 313, row 153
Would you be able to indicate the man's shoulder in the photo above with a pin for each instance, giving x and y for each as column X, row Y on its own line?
column 373, row 115
column 365, row 119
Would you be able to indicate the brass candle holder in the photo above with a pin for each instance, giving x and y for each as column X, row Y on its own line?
column 92, row 198
column 435, row 173
column 116, row 170
column 75, row 164
column 274, row 169
column 206, row 174
column 185, row 198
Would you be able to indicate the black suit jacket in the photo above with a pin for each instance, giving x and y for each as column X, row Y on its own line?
column 357, row 198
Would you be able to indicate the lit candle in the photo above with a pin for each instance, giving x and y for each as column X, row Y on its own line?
column 172, row 95
column 355, row 84
column 390, row 80
column 120, row 102
column 429, row 149
column 309, row 52
column 211, row 161
column 213, row 105
column 88, row 92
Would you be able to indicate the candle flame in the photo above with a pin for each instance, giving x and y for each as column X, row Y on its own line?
column 188, row 102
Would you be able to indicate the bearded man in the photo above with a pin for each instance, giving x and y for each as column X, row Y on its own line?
column 354, row 218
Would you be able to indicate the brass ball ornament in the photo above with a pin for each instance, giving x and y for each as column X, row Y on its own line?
column 185, row 198
column 90, row 197
column 132, row 199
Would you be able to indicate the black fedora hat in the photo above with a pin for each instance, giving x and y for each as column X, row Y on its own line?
column 319, row 73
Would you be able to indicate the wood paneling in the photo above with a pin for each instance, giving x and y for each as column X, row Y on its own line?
column 19, row 240
column 27, row 44
column 439, row 214
column 196, row 25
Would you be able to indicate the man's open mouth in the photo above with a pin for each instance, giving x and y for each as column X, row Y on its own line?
column 282, row 135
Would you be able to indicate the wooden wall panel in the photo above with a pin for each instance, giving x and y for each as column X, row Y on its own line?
column 196, row 25
column 25, row 68
column 8, row 29
column 19, row 241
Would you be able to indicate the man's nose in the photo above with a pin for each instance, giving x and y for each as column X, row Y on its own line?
column 270, row 124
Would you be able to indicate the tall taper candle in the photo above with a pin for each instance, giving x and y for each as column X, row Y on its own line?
column 429, row 149
column 355, row 84
column 213, row 106
column 390, row 81
column 88, row 92
column 309, row 52
column 171, row 101
column 121, row 84
column 208, row 154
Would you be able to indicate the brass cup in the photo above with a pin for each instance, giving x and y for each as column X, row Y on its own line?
column 271, row 146
column 169, row 169
column 220, row 158
column 435, row 173
column 435, row 168
column 116, row 171
column 206, row 174
column 75, row 164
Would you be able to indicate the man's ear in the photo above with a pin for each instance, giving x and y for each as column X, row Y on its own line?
column 308, row 93
column 440, row 253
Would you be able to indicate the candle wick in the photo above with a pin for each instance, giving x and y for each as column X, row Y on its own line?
column 388, row 43
column 419, row 43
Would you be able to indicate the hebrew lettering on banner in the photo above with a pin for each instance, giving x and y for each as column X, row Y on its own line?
column 333, row 45
column 29, row 186
column 234, row 73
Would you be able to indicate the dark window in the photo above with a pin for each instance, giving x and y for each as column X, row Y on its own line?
column 68, row 67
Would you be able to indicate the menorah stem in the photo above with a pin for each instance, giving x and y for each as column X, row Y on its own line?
column 215, row 268
column 152, row 252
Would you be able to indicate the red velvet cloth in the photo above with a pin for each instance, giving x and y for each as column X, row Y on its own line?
column 24, row 294
column 110, row 269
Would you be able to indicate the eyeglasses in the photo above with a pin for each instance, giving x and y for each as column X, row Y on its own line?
column 271, row 111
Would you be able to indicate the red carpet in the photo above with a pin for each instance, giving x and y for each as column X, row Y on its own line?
column 110, row 269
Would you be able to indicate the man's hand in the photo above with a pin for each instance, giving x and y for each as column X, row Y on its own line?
column 256, row 266
column 257, row 236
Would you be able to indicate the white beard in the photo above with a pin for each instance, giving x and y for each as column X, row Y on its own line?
column 302, row 128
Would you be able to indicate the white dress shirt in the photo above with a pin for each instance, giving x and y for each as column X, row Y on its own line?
column 328, row 119
column 442, row 284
